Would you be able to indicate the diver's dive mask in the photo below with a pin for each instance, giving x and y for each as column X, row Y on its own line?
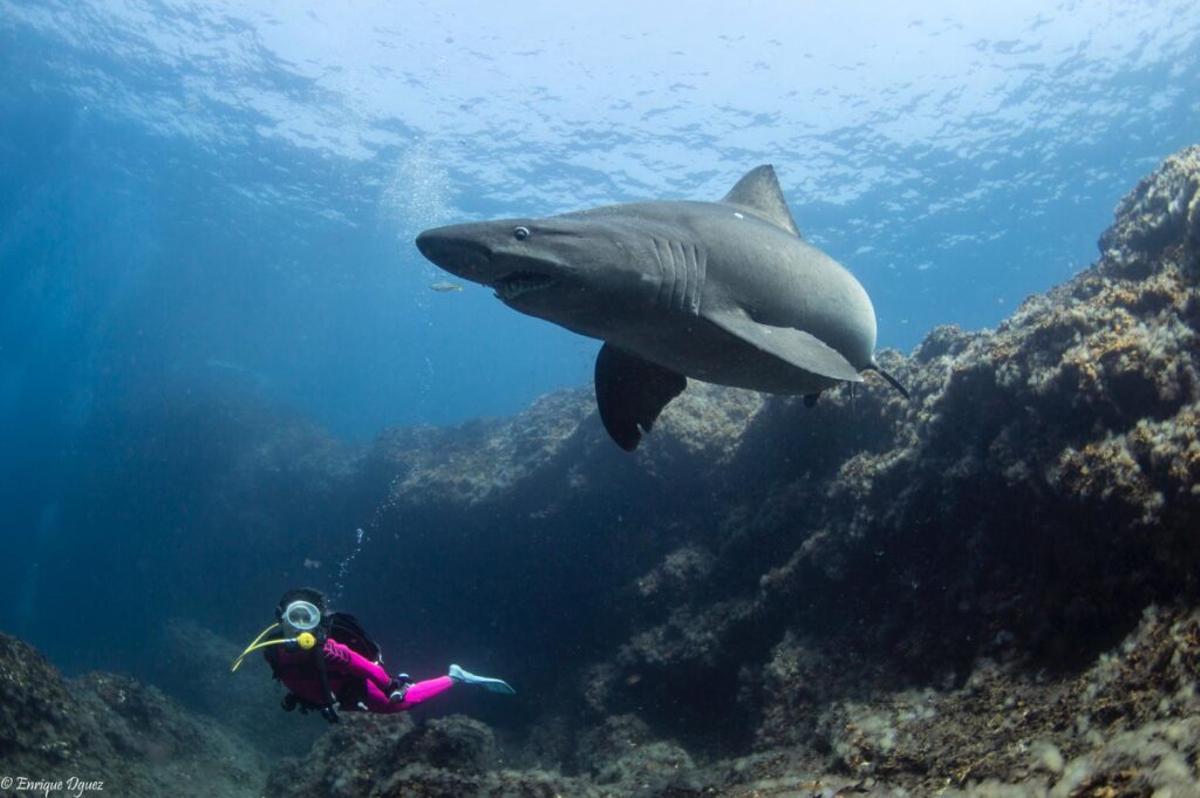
column 301, row 616
column 298, row 622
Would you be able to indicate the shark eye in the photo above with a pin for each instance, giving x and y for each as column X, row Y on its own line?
column 521, row 233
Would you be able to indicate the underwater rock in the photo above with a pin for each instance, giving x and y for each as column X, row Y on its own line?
column 623, row 757
column 369, row 756
column 798, row 681
column 1158, row 221
column 470, row 464
column 458, row 742
column 192, row 662
column 112, row 729
column 709, row 421
column 37, row 725
column 491, row 459
column 1127, row 723
column 681, row 572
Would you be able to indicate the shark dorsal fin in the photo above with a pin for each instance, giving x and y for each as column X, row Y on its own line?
column 759, row 192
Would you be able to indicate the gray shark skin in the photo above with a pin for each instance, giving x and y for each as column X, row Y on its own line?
column 725, row 292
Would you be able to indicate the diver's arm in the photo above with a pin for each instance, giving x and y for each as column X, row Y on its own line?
column 350, row 662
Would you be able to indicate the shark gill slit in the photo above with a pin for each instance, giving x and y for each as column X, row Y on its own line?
column 689, row 286
column 670, row 272
column 662, row 271
column 699, row 262
column 680, row 288
column 691, row 297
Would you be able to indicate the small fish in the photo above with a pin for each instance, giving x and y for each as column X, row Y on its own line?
column 444, row 287
column 311, row 564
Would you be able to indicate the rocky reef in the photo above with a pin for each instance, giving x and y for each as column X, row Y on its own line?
column 109, row 734
column 988, row 590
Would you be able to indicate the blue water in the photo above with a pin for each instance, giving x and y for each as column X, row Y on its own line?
column 223, row 196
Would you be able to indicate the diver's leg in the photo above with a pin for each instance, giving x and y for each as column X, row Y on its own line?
column 423, row 691
column 378, row 701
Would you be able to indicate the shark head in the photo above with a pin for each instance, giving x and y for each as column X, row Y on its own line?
column 570, row 271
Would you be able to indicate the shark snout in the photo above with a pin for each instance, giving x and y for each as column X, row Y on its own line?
column 456, row 250
column 499, row 255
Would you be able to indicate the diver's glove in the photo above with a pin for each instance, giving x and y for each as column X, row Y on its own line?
column 494, row 685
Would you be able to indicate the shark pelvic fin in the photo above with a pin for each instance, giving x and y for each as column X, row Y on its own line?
column 758, row 192
column 631, row 392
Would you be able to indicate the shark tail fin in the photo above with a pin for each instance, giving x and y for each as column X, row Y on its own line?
column 895, row 383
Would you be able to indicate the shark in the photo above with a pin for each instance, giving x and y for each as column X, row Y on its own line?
column 726, row 292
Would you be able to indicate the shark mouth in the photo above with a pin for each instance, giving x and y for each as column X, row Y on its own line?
column 515, row 284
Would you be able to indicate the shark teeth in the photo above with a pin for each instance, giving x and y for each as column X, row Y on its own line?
column 511, row 286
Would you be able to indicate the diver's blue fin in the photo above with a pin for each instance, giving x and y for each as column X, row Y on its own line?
column 494, row 685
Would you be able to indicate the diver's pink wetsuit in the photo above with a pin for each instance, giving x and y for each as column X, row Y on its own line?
column 350, row 674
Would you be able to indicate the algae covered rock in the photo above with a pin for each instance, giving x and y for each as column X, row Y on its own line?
column 623, row 757
column 389, row 756
column 113, row 731
column 1160, row 215
column 38, row 725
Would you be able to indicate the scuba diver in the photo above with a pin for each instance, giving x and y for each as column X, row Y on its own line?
column 328, row 662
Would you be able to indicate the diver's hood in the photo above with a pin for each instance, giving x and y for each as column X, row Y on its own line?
column 309, row 595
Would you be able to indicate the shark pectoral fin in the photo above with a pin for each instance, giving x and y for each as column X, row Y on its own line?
column 631, row 392
column 802, row 350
